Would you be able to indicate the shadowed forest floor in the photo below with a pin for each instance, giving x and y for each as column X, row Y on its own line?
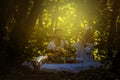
column 23, row 73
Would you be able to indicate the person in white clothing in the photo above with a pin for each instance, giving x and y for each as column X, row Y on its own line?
column 84, row 50
column 79, row 46
column 88, row 50
column 80, row 49
column 58, row 44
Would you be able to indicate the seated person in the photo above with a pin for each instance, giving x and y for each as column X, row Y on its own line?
column 88, row 50
column 79, row 47
column 58, row 45
column 55, row 47
column 84, row 50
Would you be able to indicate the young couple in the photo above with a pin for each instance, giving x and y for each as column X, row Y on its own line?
column 83, row 48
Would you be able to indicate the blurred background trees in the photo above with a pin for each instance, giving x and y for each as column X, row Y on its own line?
column 26, row 27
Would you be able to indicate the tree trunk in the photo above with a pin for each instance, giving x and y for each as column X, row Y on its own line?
column 112, row 30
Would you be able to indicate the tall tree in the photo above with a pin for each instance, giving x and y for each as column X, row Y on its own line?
column 112, row 30
column 115, row 38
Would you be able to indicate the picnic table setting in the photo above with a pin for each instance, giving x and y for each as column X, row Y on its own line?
column 54, row 62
